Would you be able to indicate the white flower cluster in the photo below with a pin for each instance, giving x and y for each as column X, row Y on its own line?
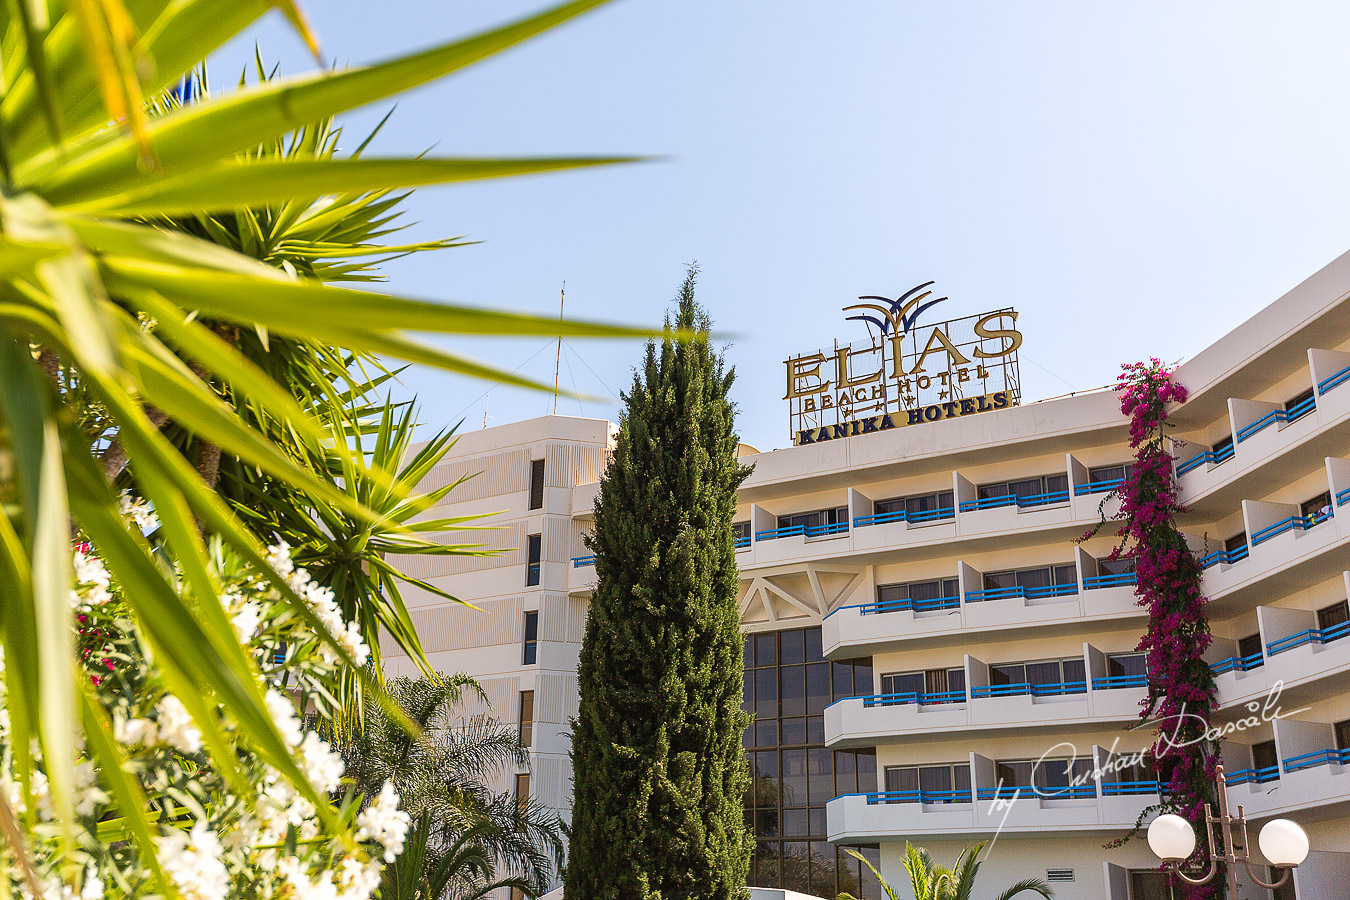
column 383, row 821
column 325, row 607
column 192, row 861
column 138, row 511
column 173, row 725
column 354, row 880
column 94, row 581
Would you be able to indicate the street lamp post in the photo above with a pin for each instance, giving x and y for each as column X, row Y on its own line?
column 1283, row 843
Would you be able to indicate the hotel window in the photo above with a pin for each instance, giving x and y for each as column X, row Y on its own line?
column 788, row 683
column 1027, row 487
column 1265, row 757
column 1250, row 646
column 740, row 531
column 947, row 783
column 522, row 792
column 535, row 551
column 536, row 484
column 929, row 683
column 1343, row 735
column 1333, row 615
column 1293, row 403
column 919, row 592
column 1236, row 542
column 1149, row 884
column 1222, row 448
column 916, row 505
column 1051, row 776
column 1041, row 577
column 1122, row 566
column 1316, row 508
column 1068, row 672
column 531, row 644
column 1103, row 474
column 1123, row 664
column 815, row 519
column 526, row 718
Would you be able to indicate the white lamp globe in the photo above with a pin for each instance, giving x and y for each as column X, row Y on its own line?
column 1283, row 843
column 1171, row 837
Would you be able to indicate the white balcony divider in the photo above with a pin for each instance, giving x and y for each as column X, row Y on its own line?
column 761, row 520
column 1338, row 477
column 963, row 491
column 859, row 505
column 1243, row 413
column 1276, row 624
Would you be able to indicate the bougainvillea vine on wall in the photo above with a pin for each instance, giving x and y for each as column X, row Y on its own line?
column 1181, row 689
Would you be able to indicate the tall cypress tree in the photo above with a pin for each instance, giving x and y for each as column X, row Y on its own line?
column 658, row 769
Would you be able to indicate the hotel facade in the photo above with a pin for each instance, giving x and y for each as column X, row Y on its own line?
column 932, row 655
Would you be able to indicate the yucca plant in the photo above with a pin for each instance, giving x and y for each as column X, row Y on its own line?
column 105, row 291
column 931, row 881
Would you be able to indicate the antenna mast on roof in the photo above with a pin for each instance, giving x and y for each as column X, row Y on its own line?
column 557, row 360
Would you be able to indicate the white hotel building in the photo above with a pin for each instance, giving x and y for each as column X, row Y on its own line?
column 922, row 627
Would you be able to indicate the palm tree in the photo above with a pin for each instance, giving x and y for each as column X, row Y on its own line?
column 445, row 773
column 105, row 290
column 931, row 881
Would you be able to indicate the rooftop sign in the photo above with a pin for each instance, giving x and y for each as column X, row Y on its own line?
column 905, row 373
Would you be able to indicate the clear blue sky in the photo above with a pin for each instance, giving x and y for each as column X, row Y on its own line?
column 1136, row 179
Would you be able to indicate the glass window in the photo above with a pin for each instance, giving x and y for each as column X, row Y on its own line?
column 1264, row 755
column 794, row 778
column 1122, row 566
column 1046, row 672
column 531, row 641
column 1250, row 646
column 1333, row 615
column 526, row 718
column 766, row 693
column 792, row 697
column 817, row 688
column 918, row 503
column 820, row 776
column 1122, row 664
column 1039, row 577
column 766, row 650
column 1026, row 487
column 1223, row 445
column 791, row 648
column 535, row 545
column 1236, row 542
column 536, row 484
column 1343, row 735
column 1101, row 474
column 1149, row 885
column 740, row 531
column 1297, row 399
column 1316, row 506
column 816, row 518
column 522, row 792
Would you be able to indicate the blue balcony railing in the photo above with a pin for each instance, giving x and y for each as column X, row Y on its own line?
column 1238, row 664
column 1291, row 523
column 1310, row 636
column 880, row 518
column 912, row 698
column 807, row 530
column 1012, row 792
column 1098, row 487
column 1327, row 384
column 1253, row 776
column 579, row 561
column 1093, row 582
column 1227, row 557
column 908, row 605
column 1028, row 502
column 1343, row 497
column 1292, row 414
column 742, row 542
column 1130, row 788
column 1025, row 593
column 885, row 797
column 1115, row 682
column 1214, row 457
column 1023, row 689
column 931, row 515
column 1319, row 758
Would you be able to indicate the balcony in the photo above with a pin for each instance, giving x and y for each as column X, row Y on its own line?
column 1033, row 501
column 809, row 531
column 901, row 815
column 869, row 627
column 923, row 517
column 1021, row 592
column 1209, row 459
column 1277, row 417
column 1301, row 655
column 1097, row 582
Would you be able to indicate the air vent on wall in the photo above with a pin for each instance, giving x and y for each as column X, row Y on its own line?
column 1059, row 874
